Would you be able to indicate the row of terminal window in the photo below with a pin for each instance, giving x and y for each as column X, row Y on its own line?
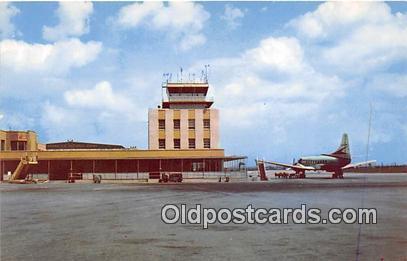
column 191, row 143
column 14, row 145
column 191, row 124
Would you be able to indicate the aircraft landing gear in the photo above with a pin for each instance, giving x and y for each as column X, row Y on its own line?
column 337, row 175
column 300, row 174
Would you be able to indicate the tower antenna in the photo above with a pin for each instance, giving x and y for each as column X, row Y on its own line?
column 206, row 73
column 368, row 132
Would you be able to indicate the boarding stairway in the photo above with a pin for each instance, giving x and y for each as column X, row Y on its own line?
column 22, row 167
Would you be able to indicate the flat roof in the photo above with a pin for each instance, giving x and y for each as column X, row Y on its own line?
column 73, row 145
column 186, row 84
column 114, row 154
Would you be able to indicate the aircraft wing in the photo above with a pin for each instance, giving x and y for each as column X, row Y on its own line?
column 353, row 165
column 294, row 167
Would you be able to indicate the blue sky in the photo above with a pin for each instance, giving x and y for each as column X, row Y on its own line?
column 289, row 78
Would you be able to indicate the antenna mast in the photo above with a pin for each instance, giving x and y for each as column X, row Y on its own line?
column 206, row 73
column 368, row 133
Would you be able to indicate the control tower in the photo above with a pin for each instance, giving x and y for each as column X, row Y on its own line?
column 185, row 119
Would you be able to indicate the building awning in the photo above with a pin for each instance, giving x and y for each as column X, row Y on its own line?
column 231, row 158
column 206, row 104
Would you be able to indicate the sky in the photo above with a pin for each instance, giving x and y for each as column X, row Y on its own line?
column 288, row 77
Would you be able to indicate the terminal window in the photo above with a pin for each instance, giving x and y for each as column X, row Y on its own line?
column 207, row 123
column 198, row 166
column 161, row 143
column 177, row 124
column 177, row 144
column 18, row 145
column 191, row 124
column 191, row 143
column 207, row 143
column 3, row 145
column 161, row 124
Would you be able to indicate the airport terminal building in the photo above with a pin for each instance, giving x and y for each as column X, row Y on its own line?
column 183, row 137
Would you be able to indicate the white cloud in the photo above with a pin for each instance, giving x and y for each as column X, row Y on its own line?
column 331, row 17
column 57, row 58
column 1, row 116
column 279, row 101
column 181, row 16
column 7, row 11
column 192, row 40
column 132, row 15
column 232, row 16
column 358, row 37
column 100, row 97
column 182, row 21
column 275, row 82
column 73, row 21
column 103, row 114
column 283, row 54
column 369, row 48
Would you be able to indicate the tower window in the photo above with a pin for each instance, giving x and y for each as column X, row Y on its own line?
column 207, row 123
column 191, row 143
column 191, row 124
column 207, row 143
column 177, row 144
column 177, row 124
column 161, row 143
column 161, row 124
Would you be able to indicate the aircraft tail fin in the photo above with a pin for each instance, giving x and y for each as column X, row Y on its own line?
column 343, row 149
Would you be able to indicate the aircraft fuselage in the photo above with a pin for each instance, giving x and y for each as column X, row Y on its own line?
column 322, row 162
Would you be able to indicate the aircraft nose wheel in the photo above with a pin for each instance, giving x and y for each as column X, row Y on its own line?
column 337, row 176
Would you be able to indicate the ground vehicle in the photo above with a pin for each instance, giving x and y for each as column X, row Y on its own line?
column 170, row 177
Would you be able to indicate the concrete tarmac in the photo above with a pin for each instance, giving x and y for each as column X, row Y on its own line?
column 56, row 221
